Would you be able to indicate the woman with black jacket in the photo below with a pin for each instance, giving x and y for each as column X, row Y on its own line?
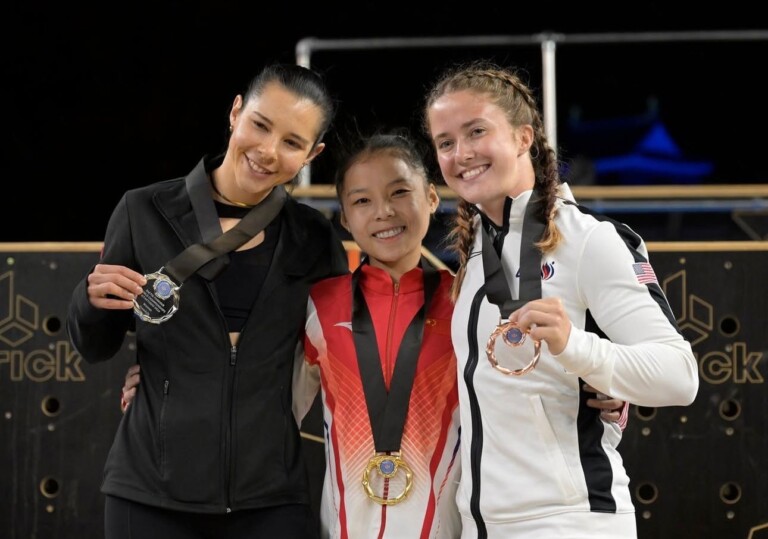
column 212, row 272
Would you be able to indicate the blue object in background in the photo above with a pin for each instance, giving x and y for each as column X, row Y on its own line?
column 655, row 159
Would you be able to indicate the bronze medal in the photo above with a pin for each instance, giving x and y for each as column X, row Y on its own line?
column 497, row 286
column 513, row 337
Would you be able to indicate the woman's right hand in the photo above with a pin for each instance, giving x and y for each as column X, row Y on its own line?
column 114, row 287
column 544, row 320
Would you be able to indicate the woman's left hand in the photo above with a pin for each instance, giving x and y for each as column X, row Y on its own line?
column 610, row 408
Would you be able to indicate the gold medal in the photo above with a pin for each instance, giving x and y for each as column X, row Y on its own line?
column 512, row 336
column 387, row 466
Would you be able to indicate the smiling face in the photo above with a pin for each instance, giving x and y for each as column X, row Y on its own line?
column 386, row 206
column 272, row 139
column 482, row 157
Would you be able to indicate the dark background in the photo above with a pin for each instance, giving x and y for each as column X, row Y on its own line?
column 106, row 97
column 97, row 99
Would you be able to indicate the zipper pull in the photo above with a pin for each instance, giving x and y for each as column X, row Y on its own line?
column 166, row 384
column 233, row 355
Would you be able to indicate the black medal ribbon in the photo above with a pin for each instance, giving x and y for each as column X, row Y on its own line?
column 387, row 411
column 191, row 259
column 198, row 184
column 497, row 287
column 160, row 300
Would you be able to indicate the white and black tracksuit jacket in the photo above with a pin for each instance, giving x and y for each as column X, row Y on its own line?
column 532, row 451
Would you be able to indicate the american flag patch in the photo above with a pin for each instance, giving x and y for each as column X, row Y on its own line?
column 644, row 273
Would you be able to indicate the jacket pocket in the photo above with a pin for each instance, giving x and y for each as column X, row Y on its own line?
column 561, row 472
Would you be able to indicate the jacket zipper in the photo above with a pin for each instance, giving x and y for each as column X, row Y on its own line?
column 166, row 386
column 389, row 366
column 232, row 362
column 388, row 362
column 228, row 436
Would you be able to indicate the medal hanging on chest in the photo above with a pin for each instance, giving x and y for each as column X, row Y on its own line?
column 160, row 297
column 498, row 290
column 387, row 410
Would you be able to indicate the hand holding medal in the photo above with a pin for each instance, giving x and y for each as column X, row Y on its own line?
column 159, row 299
column 515, row 324
column 512, row 336
column 541, row 320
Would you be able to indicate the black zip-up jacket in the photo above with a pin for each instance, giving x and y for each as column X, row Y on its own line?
column 211, row 428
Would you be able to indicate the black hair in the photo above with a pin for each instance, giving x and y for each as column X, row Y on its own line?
column 396, row 141
column 301, row 81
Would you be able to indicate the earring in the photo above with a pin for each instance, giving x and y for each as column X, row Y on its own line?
column 230, row 128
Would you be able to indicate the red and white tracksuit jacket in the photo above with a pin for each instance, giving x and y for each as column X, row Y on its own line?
column 430, row 440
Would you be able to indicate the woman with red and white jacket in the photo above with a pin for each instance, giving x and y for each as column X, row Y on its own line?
column 378, row 344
